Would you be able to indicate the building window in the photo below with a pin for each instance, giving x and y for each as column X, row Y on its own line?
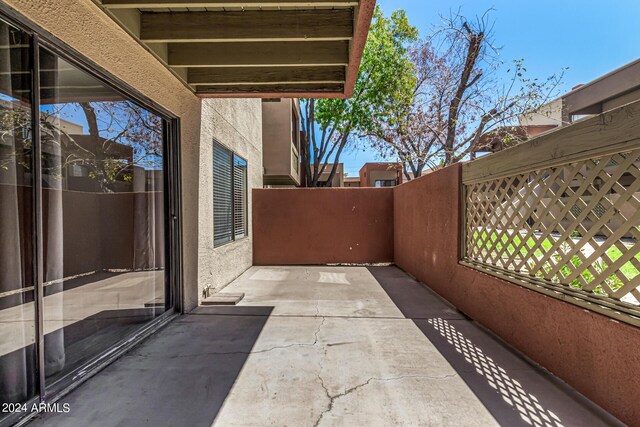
column 385, row 183
column 295, row 159
column 229, row 196
column 239, row 197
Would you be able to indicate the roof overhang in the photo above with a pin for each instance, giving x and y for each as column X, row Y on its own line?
column 253, row 48
column 589, row 98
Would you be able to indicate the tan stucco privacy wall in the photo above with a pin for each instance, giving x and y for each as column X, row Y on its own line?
column 84, row 27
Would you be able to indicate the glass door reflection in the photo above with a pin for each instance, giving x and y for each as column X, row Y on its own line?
column 103, row 215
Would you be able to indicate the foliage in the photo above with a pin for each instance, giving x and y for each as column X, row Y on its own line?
column 121, row 135
column 458, row 97
column 385, row 79
column 492, row 243
column 15, row 138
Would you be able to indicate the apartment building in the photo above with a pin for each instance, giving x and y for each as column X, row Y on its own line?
column 352, row 181
column 325, row 173
column 380, row 174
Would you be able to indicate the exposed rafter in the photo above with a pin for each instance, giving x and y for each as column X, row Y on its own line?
column 272, row 90
column 230, row 48
column 259, row 54
column 252, row 25
column 262, row 75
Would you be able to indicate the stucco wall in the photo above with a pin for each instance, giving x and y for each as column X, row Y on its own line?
column 277, row 137
column 594, row 354
column 236, row 124
column 323, row 225
column 83, row 26
column 548, row 114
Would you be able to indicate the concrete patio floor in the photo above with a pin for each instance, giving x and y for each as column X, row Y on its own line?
column 325, row 346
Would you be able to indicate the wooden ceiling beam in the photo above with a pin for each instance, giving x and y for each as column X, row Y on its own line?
column 303, row 90
column 250, row 25
column 259, row 54
column 271, row 83
column 159, row 4
column 253, row 48
column 262, row 75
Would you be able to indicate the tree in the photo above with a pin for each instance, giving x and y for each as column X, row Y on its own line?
column 113, row 128
column 15, row 138
column 120, row 136
column 459, row 96
column 386, row 77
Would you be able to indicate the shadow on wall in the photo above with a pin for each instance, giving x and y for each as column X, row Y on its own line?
column 506, row 385
column 179, row 376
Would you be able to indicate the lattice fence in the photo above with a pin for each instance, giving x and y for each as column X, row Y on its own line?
column 573, row 228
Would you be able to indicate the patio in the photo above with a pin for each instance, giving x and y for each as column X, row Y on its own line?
column 312, row 346
column 135, row 177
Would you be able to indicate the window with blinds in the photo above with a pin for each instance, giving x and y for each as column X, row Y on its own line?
column 239, row 197
column 229, row 196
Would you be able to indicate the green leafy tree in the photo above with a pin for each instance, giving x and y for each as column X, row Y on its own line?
column 386, row 79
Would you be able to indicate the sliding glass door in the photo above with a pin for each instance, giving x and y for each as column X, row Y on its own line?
column 84, row 216
column 17, row 284
column 102, row 215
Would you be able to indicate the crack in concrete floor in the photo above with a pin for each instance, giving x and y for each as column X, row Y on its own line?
column 266, row 350
column 333, row 398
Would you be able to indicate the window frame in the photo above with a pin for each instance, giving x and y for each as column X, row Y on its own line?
column 245, row 200
column 171, row 187
column 385, row 182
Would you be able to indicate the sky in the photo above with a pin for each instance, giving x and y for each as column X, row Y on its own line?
column 589, row 37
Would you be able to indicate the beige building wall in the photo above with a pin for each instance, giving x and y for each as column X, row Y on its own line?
column 281, row 141
column 548, row 114
column 84, row 27
column 351, row 181
column 236, row 124
column 338, row 178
